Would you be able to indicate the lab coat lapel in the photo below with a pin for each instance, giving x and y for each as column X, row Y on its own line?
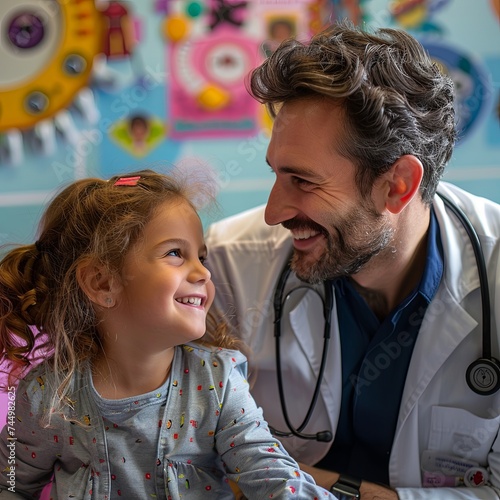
column 435, row 344
column 439, row 336
column 307, row 325
column 445, row 326
column 445, row 323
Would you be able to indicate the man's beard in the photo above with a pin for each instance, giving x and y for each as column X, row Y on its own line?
column 350, row 244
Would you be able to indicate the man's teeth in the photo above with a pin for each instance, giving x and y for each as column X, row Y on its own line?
column 195, row 301
column 303, row 234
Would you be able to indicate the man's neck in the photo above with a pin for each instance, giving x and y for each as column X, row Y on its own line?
column 390, row 277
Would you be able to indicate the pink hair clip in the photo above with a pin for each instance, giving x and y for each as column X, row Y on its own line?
column 127, row 181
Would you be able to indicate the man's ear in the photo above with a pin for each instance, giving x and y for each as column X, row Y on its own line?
column 98, row 284
column 402, row 182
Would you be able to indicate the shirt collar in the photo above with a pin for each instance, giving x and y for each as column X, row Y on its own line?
column 433, row 271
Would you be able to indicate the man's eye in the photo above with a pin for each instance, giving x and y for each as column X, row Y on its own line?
column 301, row 182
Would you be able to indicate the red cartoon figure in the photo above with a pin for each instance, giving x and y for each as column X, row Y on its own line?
column 119, row 37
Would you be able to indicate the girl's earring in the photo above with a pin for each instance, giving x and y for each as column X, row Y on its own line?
column 109, row 302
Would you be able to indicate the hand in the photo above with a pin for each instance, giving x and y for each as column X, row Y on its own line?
column 238, row 495
column 369, row 491
column 372, row 491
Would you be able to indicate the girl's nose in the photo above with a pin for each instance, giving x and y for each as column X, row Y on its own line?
column 200, row 273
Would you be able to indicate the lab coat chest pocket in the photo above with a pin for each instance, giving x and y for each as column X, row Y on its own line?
column 455, row 431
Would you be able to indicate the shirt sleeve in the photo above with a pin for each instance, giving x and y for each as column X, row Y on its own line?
column 28, row 450
column 253, row 458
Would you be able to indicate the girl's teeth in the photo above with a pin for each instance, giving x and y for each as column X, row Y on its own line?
column 196, row 301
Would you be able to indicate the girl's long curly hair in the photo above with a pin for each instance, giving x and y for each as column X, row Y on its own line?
column 43, row 311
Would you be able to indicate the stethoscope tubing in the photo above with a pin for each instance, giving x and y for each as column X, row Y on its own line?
column 279, row 303
column 481, row 268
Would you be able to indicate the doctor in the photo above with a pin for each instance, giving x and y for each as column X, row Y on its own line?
column 364, row 126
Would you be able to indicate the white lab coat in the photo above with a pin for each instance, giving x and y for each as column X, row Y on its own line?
column 438, row 410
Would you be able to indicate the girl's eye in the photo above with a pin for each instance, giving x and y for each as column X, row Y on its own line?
column 203, row 259
column 173, row 253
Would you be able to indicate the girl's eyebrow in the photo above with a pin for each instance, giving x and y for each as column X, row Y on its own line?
column 173, row 241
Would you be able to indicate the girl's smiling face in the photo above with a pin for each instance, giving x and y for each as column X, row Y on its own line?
column 166, row 290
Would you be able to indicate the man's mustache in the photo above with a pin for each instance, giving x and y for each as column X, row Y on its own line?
column 304, row 225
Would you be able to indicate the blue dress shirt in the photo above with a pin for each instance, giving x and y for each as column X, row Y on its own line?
column 375, row 359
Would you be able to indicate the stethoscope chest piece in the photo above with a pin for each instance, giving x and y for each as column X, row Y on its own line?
column 483, row 376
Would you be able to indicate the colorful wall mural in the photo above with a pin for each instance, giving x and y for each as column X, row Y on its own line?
column 95, row 87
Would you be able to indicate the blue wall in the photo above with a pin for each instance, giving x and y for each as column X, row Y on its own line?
column 465, row 34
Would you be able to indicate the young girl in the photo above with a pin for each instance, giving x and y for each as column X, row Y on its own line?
column 127, row 405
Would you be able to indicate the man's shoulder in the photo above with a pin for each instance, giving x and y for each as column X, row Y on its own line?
column 248, row 227
column 449, row 189
column 483, row 213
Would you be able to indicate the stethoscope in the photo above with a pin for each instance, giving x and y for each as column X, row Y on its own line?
column 482, row 375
